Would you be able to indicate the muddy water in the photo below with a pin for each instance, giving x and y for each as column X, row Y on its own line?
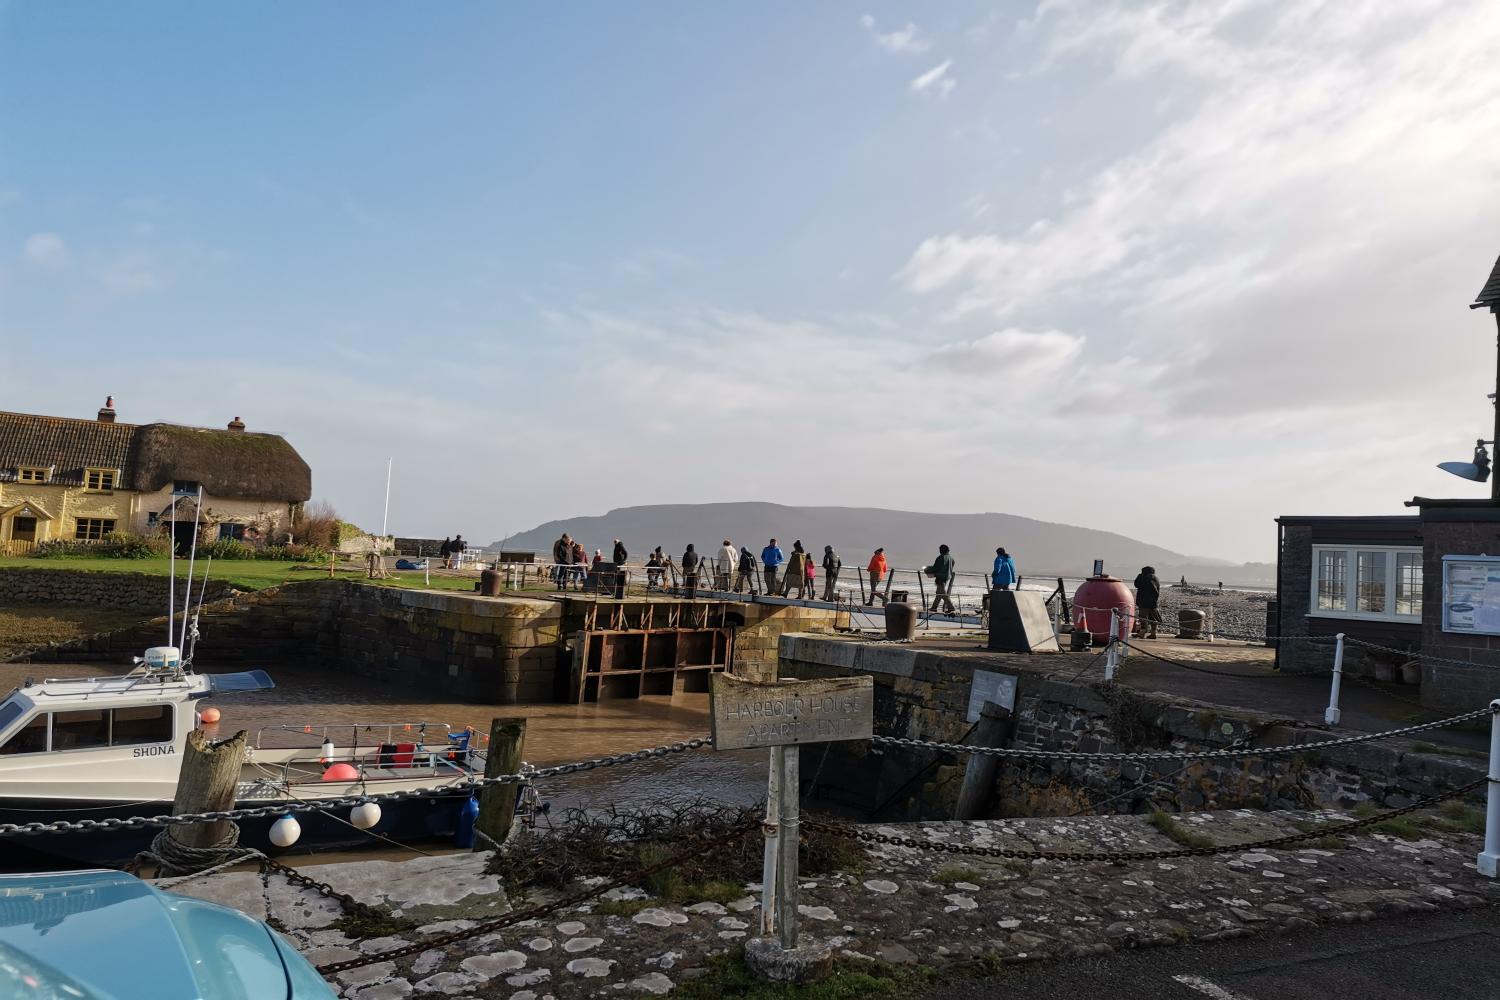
column 555, row 734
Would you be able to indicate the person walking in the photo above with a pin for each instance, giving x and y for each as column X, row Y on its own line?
column 942, row 571
column 771, row 559
column 459, row 547
column 562, row 559
column 1003, row 576
column 690, row 572
column 724, row 565
column 1147, row 601
column 743, row 579
column 446, row 551
column 831, row 566
column 655, row 564
column 796, row 572
column 876, row 569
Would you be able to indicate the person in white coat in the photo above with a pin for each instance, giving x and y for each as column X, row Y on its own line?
column 724, row 562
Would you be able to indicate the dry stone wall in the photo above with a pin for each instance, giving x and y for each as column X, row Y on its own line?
column 129, row 591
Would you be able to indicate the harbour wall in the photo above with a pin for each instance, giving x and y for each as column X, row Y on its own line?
column 925, row 695
column 127, row 591
column 498, row 651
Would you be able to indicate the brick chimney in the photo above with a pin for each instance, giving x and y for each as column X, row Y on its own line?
column 107, row 411
column 237, row 425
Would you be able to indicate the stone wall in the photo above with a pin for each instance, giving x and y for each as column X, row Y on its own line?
column 131, row 591
column 924, row 694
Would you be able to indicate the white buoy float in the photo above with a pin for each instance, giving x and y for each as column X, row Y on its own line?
column 285, row 831
column 327, row 751
column 365, row 815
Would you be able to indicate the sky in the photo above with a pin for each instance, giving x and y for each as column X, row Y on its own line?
column 1159, row 268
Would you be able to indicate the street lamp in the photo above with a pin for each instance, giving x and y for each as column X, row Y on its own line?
column 1478, row 470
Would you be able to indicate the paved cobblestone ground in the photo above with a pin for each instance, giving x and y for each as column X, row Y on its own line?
column 906, row 906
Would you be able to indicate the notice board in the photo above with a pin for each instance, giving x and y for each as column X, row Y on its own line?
column 1471, row 594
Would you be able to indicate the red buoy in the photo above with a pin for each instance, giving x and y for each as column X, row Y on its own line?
column 209, row 715
column 1093, row 600
column 341, row 772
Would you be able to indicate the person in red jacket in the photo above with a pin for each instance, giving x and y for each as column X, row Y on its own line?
column 877, row 573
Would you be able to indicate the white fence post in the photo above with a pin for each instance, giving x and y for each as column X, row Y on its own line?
column 1332, row 716
column 1112, row 651
column 772, row 830
column 1489, row 858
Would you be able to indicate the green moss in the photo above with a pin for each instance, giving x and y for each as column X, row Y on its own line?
column 948, row 876
column 623, row 907
column 712, row 891
column 371, row 924
column 1169, row 827
column 1402, row 827
column 728, row 977
column 1429, row 748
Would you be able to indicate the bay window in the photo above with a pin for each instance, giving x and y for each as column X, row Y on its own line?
column 1367, row 582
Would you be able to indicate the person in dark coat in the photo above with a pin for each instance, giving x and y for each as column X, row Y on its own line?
column 831, row 566
column 745, row 575
column 796, row 572
column 690, row 572
column 942, row 572
column 1147, row 597
column 562, row 560
column 620, row 554
column 446, row 551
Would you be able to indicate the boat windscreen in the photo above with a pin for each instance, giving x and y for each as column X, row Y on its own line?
column 249, row 680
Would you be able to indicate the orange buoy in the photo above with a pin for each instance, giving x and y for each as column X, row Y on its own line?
column 209, row 715
column 341, row 772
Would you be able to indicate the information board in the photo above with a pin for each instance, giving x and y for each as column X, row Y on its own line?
column 990, row 686
column 749, row 714
column 1471, row 594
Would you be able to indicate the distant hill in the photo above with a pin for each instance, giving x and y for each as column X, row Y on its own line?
column 1041, row 548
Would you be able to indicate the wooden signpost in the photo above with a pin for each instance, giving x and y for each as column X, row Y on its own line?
column 781, row 716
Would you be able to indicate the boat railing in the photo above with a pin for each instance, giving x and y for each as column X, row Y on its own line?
column 310, row 770
column 357, row 734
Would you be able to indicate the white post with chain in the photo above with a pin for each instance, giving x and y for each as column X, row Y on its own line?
column 1332, row 716
column 1112, row 651
column 1489, row 858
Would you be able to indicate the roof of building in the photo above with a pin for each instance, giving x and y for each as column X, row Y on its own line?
column 151, row 456
column 1489, row 295
column 1369, row 519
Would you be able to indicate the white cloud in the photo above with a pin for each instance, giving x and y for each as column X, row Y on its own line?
column 46, row 249
column 935, row 81
column 907, row 39
column 132, row 274
column 1010, row 352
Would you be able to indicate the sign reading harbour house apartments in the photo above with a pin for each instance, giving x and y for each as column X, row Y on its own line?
column 750, row 714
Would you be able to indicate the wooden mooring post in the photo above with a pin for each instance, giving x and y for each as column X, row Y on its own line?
column 979, row 776
column 497, row 803
column 206, row 782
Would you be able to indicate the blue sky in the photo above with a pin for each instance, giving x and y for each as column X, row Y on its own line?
column 1164, row 269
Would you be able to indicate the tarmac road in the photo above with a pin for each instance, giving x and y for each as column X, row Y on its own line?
column 1445, row 955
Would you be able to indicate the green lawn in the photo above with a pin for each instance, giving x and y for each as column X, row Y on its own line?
column 247, row 574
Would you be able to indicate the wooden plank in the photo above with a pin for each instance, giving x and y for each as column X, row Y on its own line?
column 750, row 714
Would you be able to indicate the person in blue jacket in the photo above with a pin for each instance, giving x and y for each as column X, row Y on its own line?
column 1004, row 575
column 771, row 558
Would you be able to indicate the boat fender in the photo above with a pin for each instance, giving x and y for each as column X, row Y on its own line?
column 365, row 815
column 463, row 836
column 285, row 831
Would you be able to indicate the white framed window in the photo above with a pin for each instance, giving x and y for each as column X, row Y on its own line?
column 1360, row 581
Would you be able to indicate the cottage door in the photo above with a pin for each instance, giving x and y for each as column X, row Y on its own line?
column 23, row 529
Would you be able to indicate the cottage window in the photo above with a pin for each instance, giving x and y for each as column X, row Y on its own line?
column 1355, row 582
column 186, row 487
column 92, row 529
column 231, row 532
column 99, row 480
column 33, row 475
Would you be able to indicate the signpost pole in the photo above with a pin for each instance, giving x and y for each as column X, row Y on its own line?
column 790, row 839
column 772, row 828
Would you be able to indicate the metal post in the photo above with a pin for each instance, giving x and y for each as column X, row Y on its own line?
column 1112, row 651
column 1489, row 858
column 1331, row 717
column 790, row 838
column 772, row 830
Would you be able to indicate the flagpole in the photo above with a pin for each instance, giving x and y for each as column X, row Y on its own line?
column 385, row 518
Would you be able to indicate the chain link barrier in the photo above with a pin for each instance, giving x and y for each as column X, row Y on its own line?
column 1279, row 751
column 519, row 916
column 465, row 787
column 1119, row 857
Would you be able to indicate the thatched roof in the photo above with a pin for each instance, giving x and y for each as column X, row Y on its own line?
column 152, row 456
column 227, row 463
